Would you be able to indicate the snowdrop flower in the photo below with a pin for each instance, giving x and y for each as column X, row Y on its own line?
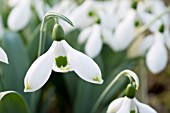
column 61, row 57
column 128, row 105
column 100, row 30
column 148, row 10
column 124, row 32
column 20, row 15
column 156, row 52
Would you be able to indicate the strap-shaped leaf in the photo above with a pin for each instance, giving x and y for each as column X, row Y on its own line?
column 12, row 102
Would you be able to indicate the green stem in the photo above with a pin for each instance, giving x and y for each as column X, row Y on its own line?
column 102, row 96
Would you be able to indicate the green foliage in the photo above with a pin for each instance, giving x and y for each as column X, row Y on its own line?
column 12, row 102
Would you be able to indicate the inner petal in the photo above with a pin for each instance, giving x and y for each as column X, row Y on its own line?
column 60, row 63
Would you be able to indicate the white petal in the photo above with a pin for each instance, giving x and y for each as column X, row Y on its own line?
column 108, row 37
column 115, row 105
column 84, row 35
column 108, row 20
column 94, row 43
column 157, row 56
column 60, row 51
column 19, row 16
column 143, row 108
column 83, row 65
column 167, row 38
column 40, row 71
column 147, row 17
column 127, row 106
column 13, row 3
column 124, row 32
column 39, row 7
column 3, row 56
column 146, row 43
column 80, row 16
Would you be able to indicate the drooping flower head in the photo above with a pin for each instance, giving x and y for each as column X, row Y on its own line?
column 61, row 57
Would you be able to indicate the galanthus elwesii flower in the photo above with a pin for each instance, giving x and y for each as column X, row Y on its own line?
column 20, row 15
column 3, row 56
column 100, row 31
column 124, row 32
column 128, row 105
column 148, row 10
column 61, row 57
column 156, row 52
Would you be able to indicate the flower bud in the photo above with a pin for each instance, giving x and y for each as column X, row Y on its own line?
column 130, row 91
column 58, row 32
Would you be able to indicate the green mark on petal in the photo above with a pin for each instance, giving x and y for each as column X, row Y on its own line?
column 97, row 78
column 133, row 111
column 61, row 61
column 27, row 86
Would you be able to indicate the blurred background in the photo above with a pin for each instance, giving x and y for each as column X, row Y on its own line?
column 117, row 34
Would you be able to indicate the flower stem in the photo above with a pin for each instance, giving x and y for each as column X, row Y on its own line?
column 107, row 89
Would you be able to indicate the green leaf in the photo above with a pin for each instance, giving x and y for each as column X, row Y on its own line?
column 12, row 102
column 15, row 71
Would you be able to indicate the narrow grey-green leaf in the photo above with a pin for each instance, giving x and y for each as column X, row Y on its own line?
column 12, row 102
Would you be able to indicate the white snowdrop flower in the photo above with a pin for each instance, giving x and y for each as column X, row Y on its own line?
column 157, row 55
column 148, row 10
column 124, row 32
column 127, row 105
column 20, row 15
column 3, row 56
column 61, row 57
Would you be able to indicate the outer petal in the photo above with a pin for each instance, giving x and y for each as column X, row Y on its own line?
column 40, row 8
column 3, row 56
column 84, row 35
column 40, row 71
column 115, row 105
column 124, row 32
column 20, row 16
column 143, row 108
column 128, row 105
column 108, row 37
column 83, row 65
column 13, row 3
column 157, row 56
column 94, row 43
column 146, row 43
column 80, row 16
column 60, row 51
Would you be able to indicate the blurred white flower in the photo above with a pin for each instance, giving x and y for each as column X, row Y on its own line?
column 148, row 10
column 156, row 52
column 100, row 30
column 61, row 57
column 20, row 15
column 127, row 105
column 3, row 56
column 124, row 32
